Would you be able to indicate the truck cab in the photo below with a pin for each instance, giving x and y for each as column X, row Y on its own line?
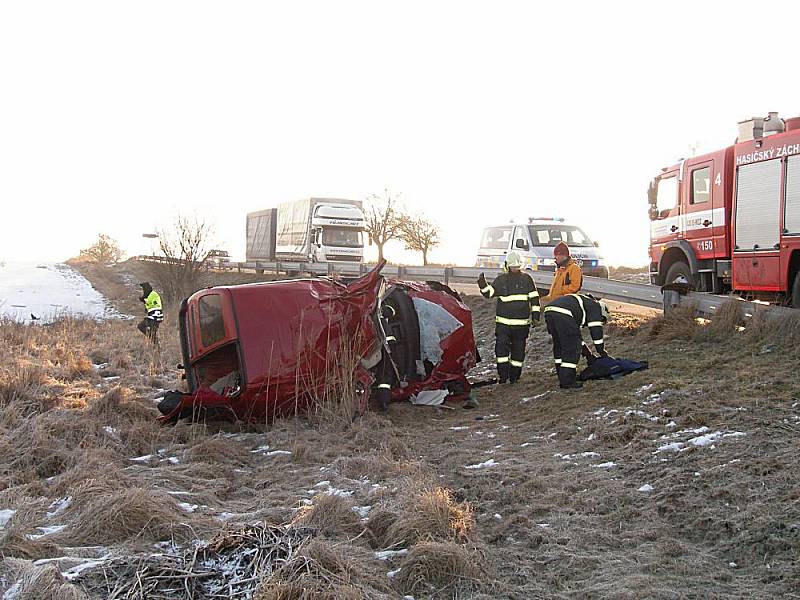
column 535, row 242
column 337, row 233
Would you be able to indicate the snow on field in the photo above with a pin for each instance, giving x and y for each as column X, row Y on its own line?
column 47, row 291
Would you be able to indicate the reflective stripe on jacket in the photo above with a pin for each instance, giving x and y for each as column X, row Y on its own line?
column 152, row 305
column 568, row 280
column 585, row 311
column 517, row 298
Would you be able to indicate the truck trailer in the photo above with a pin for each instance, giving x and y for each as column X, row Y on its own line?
column 311, row 229
column 730, row 220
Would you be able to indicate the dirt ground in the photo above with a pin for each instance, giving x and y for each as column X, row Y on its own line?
column 675, row 482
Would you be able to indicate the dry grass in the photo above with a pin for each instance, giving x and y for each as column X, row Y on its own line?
column 331, row 515
column 443, row 569
column 425, row 514
column 534, row 525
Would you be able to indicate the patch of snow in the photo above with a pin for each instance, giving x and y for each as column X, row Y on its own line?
column 543, row 525
column 277, row 453
column 225, row 516
column 673, row 447
column 260, row 449
column 174, row 460
column 324, row 483
column 48, row 291
column 591, row 438
column 99, row 366
column 5, row 516
column 459, row 428
column 552, row 435
column 536, row 397
column 671, row 425
column 640, row 413
column 498, row 516
column 388, row 554
column 645, row 488
column 526, row 444
column 489, row 463
column 362, row 511
column 12, row 593
column 111, row 377
column 732, row 564
column 605, row 465
column 59, row 505
column 185, row 506
column 145, row 458
column 645, row 388
column 392, row 574
column 46, row 531
column 72, row 573
column 712, row 438
column 653, row 399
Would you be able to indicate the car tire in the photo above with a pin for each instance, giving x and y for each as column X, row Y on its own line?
column 680, row 272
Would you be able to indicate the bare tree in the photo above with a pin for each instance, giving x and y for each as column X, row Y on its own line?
column 105, row 251
column 383, row 215
column 419, row 234
column 185, row 248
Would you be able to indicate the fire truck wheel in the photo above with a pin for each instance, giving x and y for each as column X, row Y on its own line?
column 681, row 273
column 796, row 291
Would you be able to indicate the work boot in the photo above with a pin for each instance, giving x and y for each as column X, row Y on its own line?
column 502, row 372
column 567, row 378
column 515, row 374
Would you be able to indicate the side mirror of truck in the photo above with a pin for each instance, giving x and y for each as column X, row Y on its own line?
column 521, row 244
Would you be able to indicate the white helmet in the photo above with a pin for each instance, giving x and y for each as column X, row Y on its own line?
column 514, row 260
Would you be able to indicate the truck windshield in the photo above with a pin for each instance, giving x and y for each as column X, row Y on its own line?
column 496, row 238
column 342, row 236
column 551, row 235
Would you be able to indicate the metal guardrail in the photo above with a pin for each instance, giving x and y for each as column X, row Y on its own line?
column 621, row 291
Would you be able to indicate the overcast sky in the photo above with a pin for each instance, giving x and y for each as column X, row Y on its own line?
column 115, row 117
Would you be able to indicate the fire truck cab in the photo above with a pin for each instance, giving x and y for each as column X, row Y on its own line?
column 730, row 219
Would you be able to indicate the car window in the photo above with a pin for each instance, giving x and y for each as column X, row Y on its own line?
column 496, row 238
column 551, row 235
column 212, row 327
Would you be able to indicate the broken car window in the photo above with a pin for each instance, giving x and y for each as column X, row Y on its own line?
column 435, row 324
column 212, row 327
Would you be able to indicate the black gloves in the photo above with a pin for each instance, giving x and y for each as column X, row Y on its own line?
column 482, row 280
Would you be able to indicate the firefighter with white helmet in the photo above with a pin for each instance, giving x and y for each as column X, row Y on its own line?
column 565, row 317
column 517, row 307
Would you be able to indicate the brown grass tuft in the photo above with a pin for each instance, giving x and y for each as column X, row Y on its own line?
column 327, row 571
column 13, row 542
column 115, row 516
column 429, row 514
column 330, row 515
column 441, row 568
column 46, row 583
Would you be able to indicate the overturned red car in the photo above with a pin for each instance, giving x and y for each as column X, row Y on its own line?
column 257, row 351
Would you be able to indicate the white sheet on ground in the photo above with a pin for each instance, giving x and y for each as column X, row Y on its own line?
column 429, row 397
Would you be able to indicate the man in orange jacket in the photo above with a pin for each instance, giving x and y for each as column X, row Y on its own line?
column 568, row 279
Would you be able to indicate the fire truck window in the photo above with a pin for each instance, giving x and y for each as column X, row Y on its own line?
column 212, row 327
column 792, row 217
column 701, row 184
column 496, row 238
column 667, row 198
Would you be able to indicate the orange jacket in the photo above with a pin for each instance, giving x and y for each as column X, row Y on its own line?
column 568, row 280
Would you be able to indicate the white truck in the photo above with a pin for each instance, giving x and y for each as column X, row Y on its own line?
column 311, row 229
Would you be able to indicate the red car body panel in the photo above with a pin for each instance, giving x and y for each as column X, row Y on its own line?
column 281, row 338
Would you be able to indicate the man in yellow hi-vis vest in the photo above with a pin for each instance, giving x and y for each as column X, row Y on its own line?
column 155, row 314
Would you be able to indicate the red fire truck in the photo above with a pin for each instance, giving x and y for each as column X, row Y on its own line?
column 730, row 219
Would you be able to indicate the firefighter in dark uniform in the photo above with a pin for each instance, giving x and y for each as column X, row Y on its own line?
column 155, row 313
column 517, row 306
column 385, row 372
column 565, row 317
